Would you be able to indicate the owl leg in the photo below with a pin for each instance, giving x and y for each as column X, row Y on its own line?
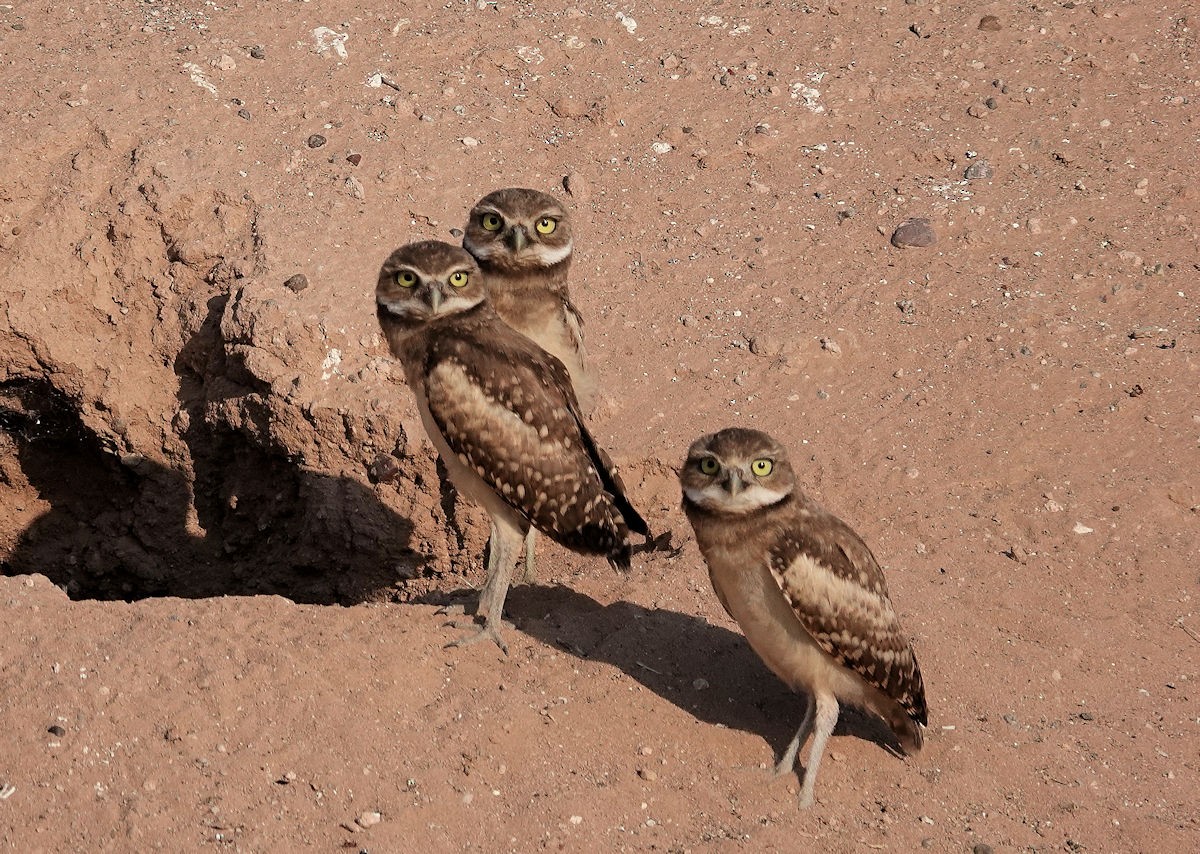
column 502, row 557
column 826, row 720
column 529, row 571
column 788, row 761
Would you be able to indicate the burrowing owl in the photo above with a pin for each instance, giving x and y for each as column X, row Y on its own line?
column 805, row 589
column 522, row 240
column 502, row 415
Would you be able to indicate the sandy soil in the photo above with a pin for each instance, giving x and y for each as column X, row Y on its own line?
column 225, row 538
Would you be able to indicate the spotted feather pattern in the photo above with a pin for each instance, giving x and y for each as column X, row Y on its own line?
column 507, row 411
column 837, row 590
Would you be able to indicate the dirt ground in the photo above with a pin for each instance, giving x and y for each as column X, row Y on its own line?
column 225, row 538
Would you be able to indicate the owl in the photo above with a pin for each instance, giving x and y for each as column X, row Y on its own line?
column 805, row 590
column 501, row 412
column 522, row 240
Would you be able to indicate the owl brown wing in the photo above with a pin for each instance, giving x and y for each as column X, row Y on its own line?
column 506, row 409
column 837, row 591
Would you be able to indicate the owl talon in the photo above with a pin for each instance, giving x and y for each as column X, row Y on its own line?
column 488, row 632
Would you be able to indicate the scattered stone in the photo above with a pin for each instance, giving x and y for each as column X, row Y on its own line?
column 1086, row 716
column 647, row 774
column 368, row 819
column 354, row 158
column 243, row 113
column 689, row 320
column 569, row 108
column 981, row 848
column 225, row 63
column 383, row 469
column 763, row 345
column 56, row 731
column 991, row 103
column 316, row 141
column 576, row 186
column 456, row 233
column 700, row 684
column 1034, row 225
column 296, row 283
column 1148, row 331
column 355, row 188
column 661, row 147
column 830, row 345
column 258, row 52
column 914, row 233
column 1081, row 528
column 977, row 111
column 470, row 141
column 979, row 169
column 990, row 24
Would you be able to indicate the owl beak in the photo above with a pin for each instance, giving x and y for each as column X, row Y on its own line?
column 517, row 238
column 733, row 483
column 435, row 299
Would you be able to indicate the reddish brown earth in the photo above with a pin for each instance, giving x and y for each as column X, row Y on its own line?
column 225, row 537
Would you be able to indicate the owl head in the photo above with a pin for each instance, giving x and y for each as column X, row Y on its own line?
column 422, row 281
column 517, row 230
column 736, row 471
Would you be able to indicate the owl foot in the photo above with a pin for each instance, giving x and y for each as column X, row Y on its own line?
column 489, row 631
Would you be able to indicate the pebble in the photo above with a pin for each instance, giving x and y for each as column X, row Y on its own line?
column 1086, row 716
column 700, row 684
column 765, row 345
column 989, row 24
column 354, row 158
column 368, row 819
column 979, row 169
column 226, row 63
column 830, row 345
column 1081, row 528
column 56, row 731
column 576, row 186
column 981, row 848
column 355, row 188
column 384, row 469
column 689, row 320
column 316, row 141
column 916, row 232
column 977, row 111
column 470, row 141
column 569, row 108
column 296, row 283
column 243, row 113
column 661, row 147
column 258, row 52
column 647, row 774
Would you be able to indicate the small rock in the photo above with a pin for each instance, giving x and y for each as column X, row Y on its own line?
column 914, row 233
column 243, row 113
column 981, row 848
column 470, row 141
column 296, row 283
column 1034, row 225
column 830, row 345
column 316, row 141
column 977, row 111
column 989, row 24
column 764, row 345
column 569, row 108
column 1081, row 528
column 979, row 169
column 383, row 469
column 354, row 158
column 700, row 684
column 368, row 819
column 576, row 186
column 647, row 774
column 258, row 52
column 689, row 320
column 1148, row 331
column 56, row 731
column 355, row 188
column 226, row 63
column 456, row 233
column 661, row 147
column 1086, row 716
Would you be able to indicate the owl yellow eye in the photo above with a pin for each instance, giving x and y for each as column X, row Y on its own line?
column 762, row 468
column 546, row 225
column 406, row 279
column 491, row 222
column 459, row 279
column 709, row 466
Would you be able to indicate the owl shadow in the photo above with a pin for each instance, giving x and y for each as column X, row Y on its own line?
column 669, row 653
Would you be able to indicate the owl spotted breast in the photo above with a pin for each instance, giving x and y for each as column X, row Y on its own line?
column 805, row 590
column 523, row 240
column 502, row 415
